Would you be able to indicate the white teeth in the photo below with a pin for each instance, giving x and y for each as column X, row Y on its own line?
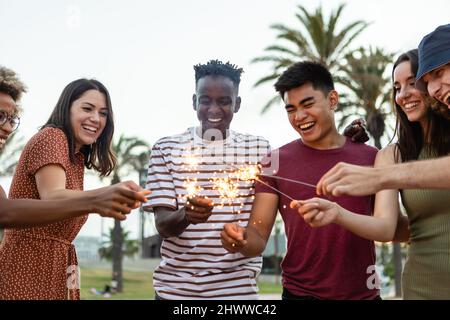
column 306, row 125
column 411, row 105
column 92, row 129
column 447, row 98
column 214, row 119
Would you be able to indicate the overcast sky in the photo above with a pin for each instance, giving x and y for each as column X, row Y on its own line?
column 143, row 51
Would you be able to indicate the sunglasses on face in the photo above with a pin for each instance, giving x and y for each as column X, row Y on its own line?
column 13, row 120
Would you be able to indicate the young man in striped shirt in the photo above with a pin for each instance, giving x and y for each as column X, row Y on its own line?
column 194, row 264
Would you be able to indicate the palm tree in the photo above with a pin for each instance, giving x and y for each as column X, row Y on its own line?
column 130, row 152
column 365, row 75
column 129, row 249
column 317, row 40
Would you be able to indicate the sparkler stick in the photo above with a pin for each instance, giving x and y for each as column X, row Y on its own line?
column 252, row 172
column 290, row 180
column 275, row 189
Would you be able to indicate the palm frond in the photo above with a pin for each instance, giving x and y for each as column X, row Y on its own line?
column 276, row 99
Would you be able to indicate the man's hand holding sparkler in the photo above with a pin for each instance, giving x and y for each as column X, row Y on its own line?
column 233, row 237
column 198, row 209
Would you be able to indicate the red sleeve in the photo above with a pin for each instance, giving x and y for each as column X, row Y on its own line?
column 49, row 146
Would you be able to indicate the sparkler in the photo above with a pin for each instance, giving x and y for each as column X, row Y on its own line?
column 228, row 187
column 192, row 189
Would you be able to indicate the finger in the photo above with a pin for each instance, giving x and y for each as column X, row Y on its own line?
column 234, row 231
column 309, row 217
column 125, row 200
column 330, row 183
column 335, row 189
column 227, row 238
column 116, row 214
column 132, row 195
column 121, row 216
column 141, row 195
column 319, row 216
column 308, row 207
column 196, row 208
column 201, row 200
column 323, row 181
column 132, row 185
column 123, row 208
column 294, row 204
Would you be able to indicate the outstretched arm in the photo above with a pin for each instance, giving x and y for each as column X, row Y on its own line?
column 171, row 223
column 26, row 213
column 22, row 213
column 251, row 241
column 382, row 226
column 348, row 179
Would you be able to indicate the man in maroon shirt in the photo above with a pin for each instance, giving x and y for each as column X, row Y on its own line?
column 323, row 263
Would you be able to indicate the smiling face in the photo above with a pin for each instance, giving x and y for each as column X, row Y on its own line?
column 311, row 114
column 438, row 84
column 410, row 99
column 88, row 116
column 215, row 102
column 8, row 109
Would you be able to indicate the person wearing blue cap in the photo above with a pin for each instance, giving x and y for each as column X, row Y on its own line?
column 434, row 64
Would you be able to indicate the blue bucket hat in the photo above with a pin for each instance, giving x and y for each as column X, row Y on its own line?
column 434, row 52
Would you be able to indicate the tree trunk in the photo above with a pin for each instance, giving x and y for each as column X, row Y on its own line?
column 142, row 223
column 142, row 182
column 397, row 252
column 117, row 253
column 377, row 142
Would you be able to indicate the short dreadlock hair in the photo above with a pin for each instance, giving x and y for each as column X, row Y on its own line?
column 218, row 68
column 11, row 84
column 302, row 73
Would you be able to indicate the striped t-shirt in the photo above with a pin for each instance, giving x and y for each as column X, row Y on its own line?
column 195, row 265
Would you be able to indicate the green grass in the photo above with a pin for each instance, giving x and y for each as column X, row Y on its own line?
column 138, row 285
column 269, row 288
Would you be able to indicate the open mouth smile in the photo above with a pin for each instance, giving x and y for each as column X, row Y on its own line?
column 306, row 126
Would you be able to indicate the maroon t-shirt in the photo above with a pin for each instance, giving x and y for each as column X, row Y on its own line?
column 327, row 262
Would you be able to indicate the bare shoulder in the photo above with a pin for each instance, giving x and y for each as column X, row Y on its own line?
column 387, row 155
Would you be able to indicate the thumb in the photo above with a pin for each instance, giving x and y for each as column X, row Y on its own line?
column 294, row 204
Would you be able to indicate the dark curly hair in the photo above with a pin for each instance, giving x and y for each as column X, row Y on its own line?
column 218, row 68
column 11, row 84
